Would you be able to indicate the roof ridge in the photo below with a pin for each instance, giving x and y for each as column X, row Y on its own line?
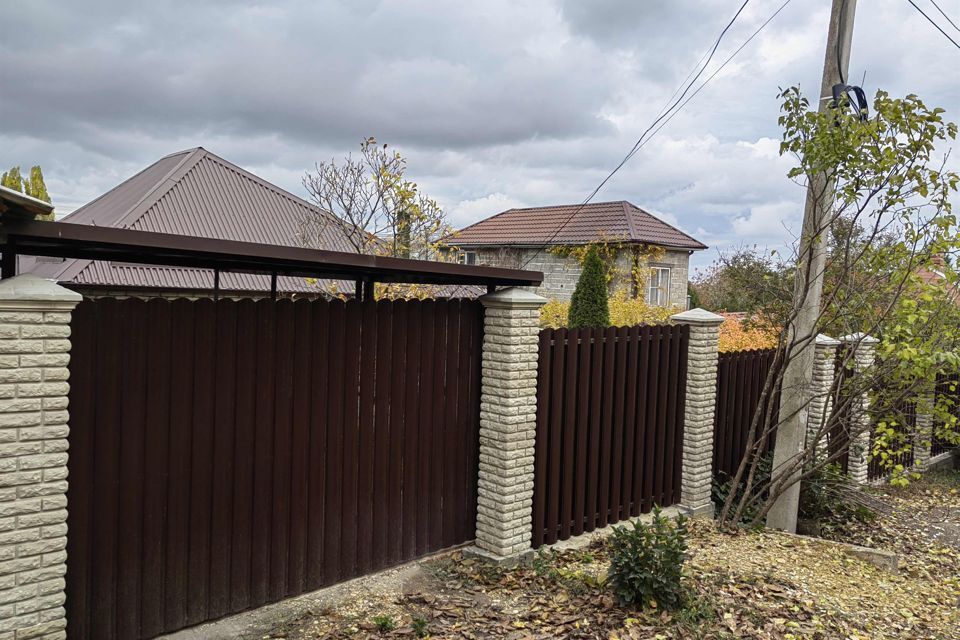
column 629, row 219
column 155, row 193
column 108, row 191
column 667, row 224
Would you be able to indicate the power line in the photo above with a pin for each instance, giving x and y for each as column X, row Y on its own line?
column 718, row 70
column 931, row 21
column 637, row 144
column 952, row 23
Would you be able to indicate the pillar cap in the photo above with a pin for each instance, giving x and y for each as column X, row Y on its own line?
column 697, row 316
column 823, row 340
column 859, row 338
column 513, row 298
column 27, row 291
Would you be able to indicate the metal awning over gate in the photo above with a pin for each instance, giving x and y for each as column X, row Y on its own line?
column 22, row 235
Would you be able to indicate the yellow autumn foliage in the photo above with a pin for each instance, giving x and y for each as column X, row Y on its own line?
column 624, row 312
column 736, row 335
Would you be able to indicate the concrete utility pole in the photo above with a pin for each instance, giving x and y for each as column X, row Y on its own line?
column 791, row 432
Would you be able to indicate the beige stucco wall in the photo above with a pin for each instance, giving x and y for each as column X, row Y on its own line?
column 560, row 273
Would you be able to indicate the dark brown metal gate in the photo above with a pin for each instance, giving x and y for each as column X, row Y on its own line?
column 741, row 376
column 228, row 454
column 610, row 410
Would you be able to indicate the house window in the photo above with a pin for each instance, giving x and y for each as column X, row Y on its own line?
column 467, row 257
column 658, row 288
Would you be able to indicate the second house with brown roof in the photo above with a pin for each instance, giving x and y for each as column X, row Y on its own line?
column 538, row 238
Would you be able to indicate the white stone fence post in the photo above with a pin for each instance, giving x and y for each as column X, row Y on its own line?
column 34, row 354
column 701, row 397
column 821, row 388
column 862, row 358
column 508, row 424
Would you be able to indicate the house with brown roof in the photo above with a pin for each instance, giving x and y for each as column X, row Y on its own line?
column 533, row 238
column 195, row 193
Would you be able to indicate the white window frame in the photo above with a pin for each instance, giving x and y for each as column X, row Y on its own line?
column 658, row 287
column 467, row 257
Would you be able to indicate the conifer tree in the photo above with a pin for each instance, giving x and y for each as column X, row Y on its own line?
column 589, row 306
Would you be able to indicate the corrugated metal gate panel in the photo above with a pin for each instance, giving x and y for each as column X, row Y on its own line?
column 228, row 454
column 610, row 406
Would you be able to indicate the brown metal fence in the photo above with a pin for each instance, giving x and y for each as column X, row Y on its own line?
column 741, row 376
column 609, row 439
column 905, row 413
column 838, row 438
column 228, row 454
column 947, row 385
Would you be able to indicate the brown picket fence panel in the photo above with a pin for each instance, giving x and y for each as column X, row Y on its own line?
column 228, row 454
column 610, row 407
column 741, row 376
column 947, row 385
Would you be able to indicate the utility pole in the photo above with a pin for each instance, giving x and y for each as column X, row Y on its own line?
column 808, row 286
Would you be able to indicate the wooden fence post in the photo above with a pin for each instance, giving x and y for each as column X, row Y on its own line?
column 34, row 354
column 821, row 401
column 863, row 348
column 508, row 424
column 701, row 396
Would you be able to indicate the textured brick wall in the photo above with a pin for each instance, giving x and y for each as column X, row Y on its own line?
column 697, row 472
column 508, row 408
column 863, row 358
column 34, row 353
column 560, row 273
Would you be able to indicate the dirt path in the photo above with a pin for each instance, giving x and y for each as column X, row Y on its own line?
column 750, row 585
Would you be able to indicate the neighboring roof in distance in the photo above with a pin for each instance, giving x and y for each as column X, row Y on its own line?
column 596, row 221
column 196, row 193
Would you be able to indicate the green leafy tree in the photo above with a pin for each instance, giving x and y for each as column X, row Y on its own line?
column 33, row 185
column 589, row 305
column 12, row 179
column 744, row 279
column 891, row 272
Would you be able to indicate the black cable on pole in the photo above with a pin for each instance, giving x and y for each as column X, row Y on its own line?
column 931, row 21
column 843, row 10
column 637, row 144
column 952, row 23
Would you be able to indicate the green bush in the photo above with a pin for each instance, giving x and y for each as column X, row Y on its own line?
column 825, row 500
column 589, row 305
column 723, row 485
column 646, row 562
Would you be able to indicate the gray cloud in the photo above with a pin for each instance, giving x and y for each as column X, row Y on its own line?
column 496, row 104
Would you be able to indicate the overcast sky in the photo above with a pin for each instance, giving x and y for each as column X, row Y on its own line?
column 496, row 103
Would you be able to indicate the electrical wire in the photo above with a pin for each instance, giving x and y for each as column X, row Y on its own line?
column 637, row 144
column 662, row 121
column 952, row 23
column 931, row 21
column 718, row 70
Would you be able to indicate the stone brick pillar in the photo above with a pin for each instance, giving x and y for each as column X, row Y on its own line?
column 821, row 385
column 697, row 473
column 508, row 424
column 864, row 353
column 923, row 440
column 34, row 353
